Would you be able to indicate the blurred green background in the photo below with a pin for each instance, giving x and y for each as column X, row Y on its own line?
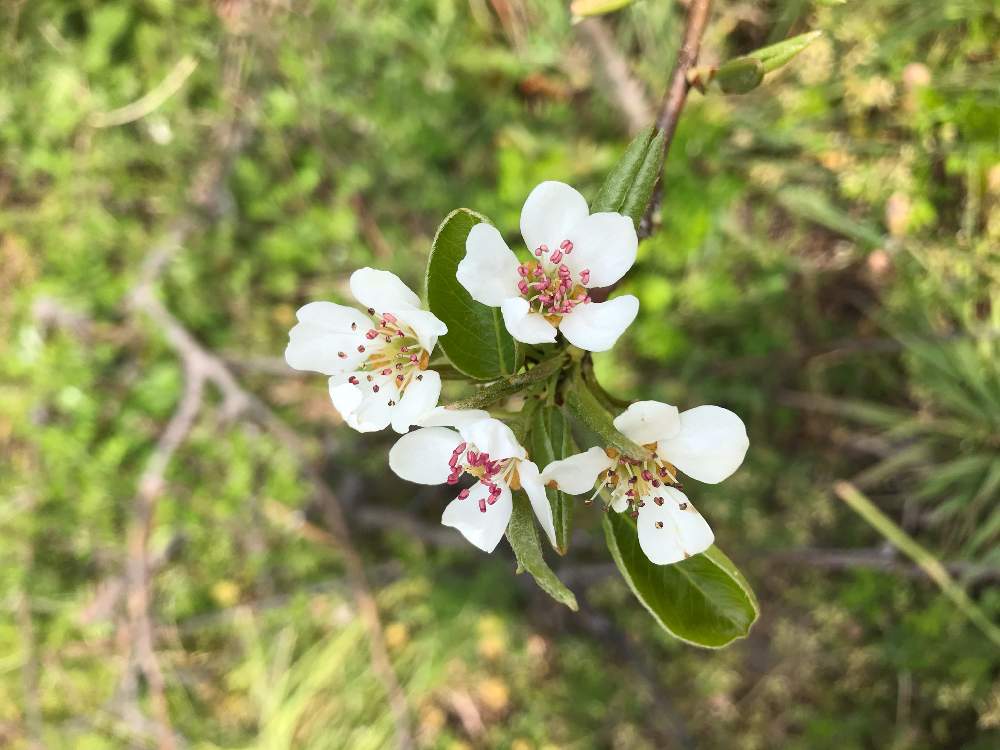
column 827, row 267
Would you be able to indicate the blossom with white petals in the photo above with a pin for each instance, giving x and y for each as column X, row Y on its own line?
column 487, row 450
column 377, row 362
column 707, row 443
column 574, row 251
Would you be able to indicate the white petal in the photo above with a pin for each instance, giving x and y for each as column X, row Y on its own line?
column 494, row 437
column 646, row 422
column 483, row 529
column 323, row 331
column 532, row 485
column 422, row 456
column 425, row 325
column 596, row 326
column 346, row 399
column 710, row 446
column 362, row 407
column 619, row 502
column 526, row 327
column 489, row 269
column 443, row 416
column 419, row 398
column 682, row 531
column 577, row 474
column 550, row 212
column 382, row 291
column 605, row 244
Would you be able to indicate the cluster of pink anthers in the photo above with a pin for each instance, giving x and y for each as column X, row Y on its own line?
column 555, row 296
column 389, row 359
column 478, row 464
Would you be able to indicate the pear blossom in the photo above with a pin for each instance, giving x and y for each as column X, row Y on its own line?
column 707, row 443
column 574, row 251
column 377, row 360
column 487, row 450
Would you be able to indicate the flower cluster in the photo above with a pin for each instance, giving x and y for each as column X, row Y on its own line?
column 379, row 360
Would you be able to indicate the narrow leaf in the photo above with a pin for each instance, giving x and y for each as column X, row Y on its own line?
column 477, row 343
column 550, row 440
column 583, row 8
column 641, row 190
column 920, row 555
column 704, row 600
column 586, row 407
column 776, row 55
column 523, row 538
column 619, row 181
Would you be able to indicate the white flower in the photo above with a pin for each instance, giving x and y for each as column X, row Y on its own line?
column 575, row 251
column 377, row 362
column 487, row 450
column 707, row 443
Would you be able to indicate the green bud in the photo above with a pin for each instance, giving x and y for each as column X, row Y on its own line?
column 740, row 76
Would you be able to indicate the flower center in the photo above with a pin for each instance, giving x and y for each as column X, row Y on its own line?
column 401, row 356
column 465, row 459
column 553, row 291
column 635, row 482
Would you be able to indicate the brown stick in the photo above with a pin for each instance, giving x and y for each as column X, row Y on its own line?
column 627, row 92
column 239, row 402
column 676, row 95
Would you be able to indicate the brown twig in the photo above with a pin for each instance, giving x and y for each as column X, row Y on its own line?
column 237, row 402
column 626, row 91
column 676, row 95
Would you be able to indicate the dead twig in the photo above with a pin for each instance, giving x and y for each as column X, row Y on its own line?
column 624, row 89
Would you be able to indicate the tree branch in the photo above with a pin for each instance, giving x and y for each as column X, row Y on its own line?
column 627, row 92
column 676, row 95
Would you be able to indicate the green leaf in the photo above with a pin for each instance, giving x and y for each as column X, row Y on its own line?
column 585, row 406
column 523, row 538
column 619, row 181
column 477, row 343
column 582, row 8
column 550, row 440
column 776, row 55
column 704, row 600
column 641, row 190
column 502, row 389
column 740, row 76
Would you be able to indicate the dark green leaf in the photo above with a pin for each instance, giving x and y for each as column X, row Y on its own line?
column 477, row 342
column 550, row 440
column 703, row 600
column 619, row 181
column 523, row 538
column 641, row 190
column 586, row 407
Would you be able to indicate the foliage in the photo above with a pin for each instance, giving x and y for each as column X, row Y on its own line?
column 828, row 242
